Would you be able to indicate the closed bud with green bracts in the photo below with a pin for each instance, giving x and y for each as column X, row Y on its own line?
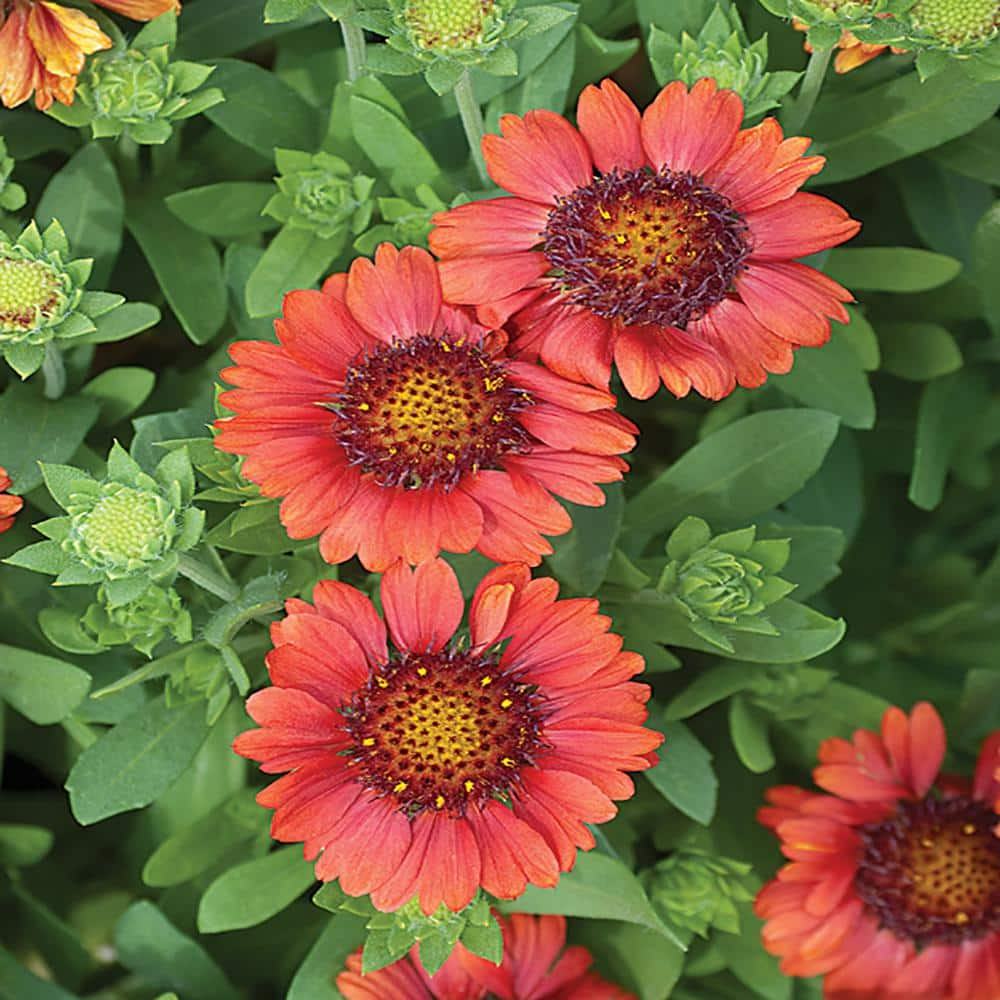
column 142, row 623
column 203, row 677
column 790, row 690
column 321, row 193
column 724, row 581
column 139, row 92
column 125, row 531
column 43, row 296
column 695, row 891
column 723, row 52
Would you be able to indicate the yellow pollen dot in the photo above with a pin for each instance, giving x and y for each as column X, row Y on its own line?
column 926, row 842
column 368, row 742
column 439, row 802
column 381, row 682
column 969, row 828
column 492, row 384
column 450, row 456
column 604, row 213
column 506, row 703
column 507, row 761
column 400, row 786
column 363, row 406
column 422, row 671
column 469, row 785
column 486, row 680
column 961, row 918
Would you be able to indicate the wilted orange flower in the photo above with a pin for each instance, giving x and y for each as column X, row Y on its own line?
column 536, row 965
column 43, row 45
column 9, row 505
column 893, row 887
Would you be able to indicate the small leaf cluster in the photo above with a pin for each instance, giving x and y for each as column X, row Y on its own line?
column 12, row 195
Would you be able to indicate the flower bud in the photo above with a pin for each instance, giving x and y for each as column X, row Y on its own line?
column 142, row 623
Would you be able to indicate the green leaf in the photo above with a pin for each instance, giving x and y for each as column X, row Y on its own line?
column 17, row 983
column 255, row 891
column 148, row 944
column 34, row 429
column 316, row 976
column 948, row 407
column 891, row 269
column 835, row 494
column 599, row 57
column 831, row 378
column 739, row 471
column 894, row 120
column 42, row 688
column 87, row 199
column 918, row 351
column 748, row 730
column 187, row 266
column 598, row 887
column 261, row 110
column 133, row 763
column 546, row 86
column 486, row 942
column 295, row 258
column 389, row 143
column 975, row 154
column 277, row 11
column 125, row 321
column 985, row 253
column 382, row 948
column 253, row 530
column 684, row 776
column 708, row 688
column 65, row 631
column 22, row 845
column 632, row 957
column 816, row 550
column 196, row 848
column 226, row 210
column 583, row 555
column 120, row 392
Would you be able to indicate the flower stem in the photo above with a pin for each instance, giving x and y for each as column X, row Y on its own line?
column 54, row 372
column 128, row 159
column 354, row 46
column 472, row 122
column 197, row 572
column 800, row 111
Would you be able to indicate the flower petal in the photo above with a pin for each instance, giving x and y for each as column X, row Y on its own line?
column 423, row 607
column 610, row 123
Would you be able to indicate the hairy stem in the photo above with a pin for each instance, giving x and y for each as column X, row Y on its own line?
column 812, row 84
column 472, row 122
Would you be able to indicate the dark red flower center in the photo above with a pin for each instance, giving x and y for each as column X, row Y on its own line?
column 441, row 731
column 429, row 410
column 932, row 872
column 646, row 248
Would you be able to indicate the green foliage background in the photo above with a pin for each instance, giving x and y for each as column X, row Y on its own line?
column 134, row 859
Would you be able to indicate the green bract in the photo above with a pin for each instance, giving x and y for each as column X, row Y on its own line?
column 321, row 193
column 42, row 296
column 142, row 623
column 12, row 196
column 726, row 581
column 870, row 20
column 138, row 92
column 125, row 531
column 722, row 51
column 694, row 891
column 203, row 677
column 403, row 222
column 442, row 38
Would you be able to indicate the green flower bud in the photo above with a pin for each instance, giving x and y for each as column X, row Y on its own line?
column 120, row 530
column 138, row 92
column 870, row 21
column 43, row 296
column 694, row 891
column 442, row 38
column 723, row 52
column 12, row 196
column 125, row 531
column 404, row 223
column 143, row 623
column 958, row 25
column 724, row 582
column 320, row 192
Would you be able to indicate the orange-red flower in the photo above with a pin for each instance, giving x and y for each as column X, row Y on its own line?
column 536, row 965
column 893, row 886
column 43, row 45
column 9, row 504
column 396, row 426
column 675, row 261
column 468, row 764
